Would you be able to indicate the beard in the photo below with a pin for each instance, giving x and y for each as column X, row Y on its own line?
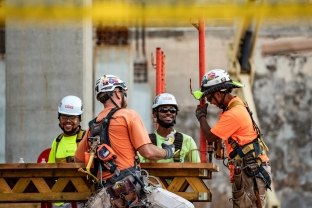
column 72, row 132
column 123, row 103
column 165, row 124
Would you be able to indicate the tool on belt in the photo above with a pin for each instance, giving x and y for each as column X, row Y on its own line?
column 249, row 153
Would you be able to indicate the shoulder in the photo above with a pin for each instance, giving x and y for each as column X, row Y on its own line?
column 127, row 113
column 187, row 137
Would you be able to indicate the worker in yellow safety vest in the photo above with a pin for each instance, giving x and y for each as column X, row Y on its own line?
column 65, row 144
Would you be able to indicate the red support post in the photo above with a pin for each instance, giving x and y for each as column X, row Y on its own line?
column 163, row 72
column 202, row 69
column 158, row 71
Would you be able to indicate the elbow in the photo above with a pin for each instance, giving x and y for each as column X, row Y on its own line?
column 149, row 151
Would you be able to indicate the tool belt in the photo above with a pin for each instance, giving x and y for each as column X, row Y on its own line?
column 123, row 192
column 125, row 188
column 247, row 157
column 238, row 152
column 252, row 168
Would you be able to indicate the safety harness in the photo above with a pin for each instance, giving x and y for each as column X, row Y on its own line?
column 249, row 153
column 100, row 129
column 178, row 141
column 125, row 187
column 79, row 137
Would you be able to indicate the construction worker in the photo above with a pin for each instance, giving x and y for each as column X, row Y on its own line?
column 250, row 170
column 165, row 111
column 116, row 134
column 65, row 144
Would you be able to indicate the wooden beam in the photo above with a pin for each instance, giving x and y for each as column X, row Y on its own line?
column 286, row 45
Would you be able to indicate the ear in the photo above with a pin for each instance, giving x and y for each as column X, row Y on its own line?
column 154, row 115
column 117, row 94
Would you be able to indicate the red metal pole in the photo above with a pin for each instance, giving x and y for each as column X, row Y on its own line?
column 158, row 71
column 163, row 72
column 202, row 68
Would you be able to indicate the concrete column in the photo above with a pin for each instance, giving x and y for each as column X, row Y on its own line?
column 45, row 62
column 2, row 110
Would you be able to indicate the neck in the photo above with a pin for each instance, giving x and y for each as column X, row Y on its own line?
column 111, row 103
column 227, row 99
column 164, row 131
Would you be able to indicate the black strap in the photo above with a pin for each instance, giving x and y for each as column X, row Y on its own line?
column 79, row 137
column 238, row 149
column 105, row 124
column 178, row 141
column 104, row 136
column 153, row 139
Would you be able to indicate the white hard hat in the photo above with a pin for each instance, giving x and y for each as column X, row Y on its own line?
column 164, row 99
column 70, row 105
column 218, row 80
column 107, row 83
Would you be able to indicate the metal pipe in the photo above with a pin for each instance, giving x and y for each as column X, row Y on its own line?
column 158, row 71
column 202, row 68
column 163, row 72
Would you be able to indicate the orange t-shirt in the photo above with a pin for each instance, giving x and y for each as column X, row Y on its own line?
column 126, row 134
column 237, row 124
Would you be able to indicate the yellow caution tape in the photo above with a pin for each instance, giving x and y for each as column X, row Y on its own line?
column 166, row 14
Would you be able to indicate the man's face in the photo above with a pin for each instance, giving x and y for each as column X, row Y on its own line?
column 69, row 123
column 166, row 115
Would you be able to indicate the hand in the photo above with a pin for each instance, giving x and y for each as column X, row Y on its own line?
column 169, row 148
column 201, row 111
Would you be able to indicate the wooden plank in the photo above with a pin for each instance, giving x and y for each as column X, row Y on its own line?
column 187, row 165
column 195, row 196
column 80, row 184
column 41, row 166
column 19, row 205
column 44, row 197
column 286, row 45
column 197, row 185
column 176, row 184
column 21, row 185
column 4, row 187
column 60, row 184
column 41, row 185
column 173, row 172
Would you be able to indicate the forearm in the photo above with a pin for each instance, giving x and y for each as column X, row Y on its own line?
column 206, row 129
column 152, row 152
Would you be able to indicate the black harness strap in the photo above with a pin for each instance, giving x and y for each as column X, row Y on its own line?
column 79, row 137
column 178, row 141
column 101, row 129
column 152, row 137
column 238, row 150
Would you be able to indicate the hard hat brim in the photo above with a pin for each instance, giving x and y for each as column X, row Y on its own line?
column 199, row 94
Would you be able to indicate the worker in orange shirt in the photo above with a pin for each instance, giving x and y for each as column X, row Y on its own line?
column 250, row 170
column 118, row 133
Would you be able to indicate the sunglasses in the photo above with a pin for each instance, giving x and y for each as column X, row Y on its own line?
column 67, row 117
column 166, row 110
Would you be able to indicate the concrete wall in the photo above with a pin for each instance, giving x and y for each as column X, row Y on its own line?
column 118, row 60
column 43, row 64
column 2, row 110
column 282, row 92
